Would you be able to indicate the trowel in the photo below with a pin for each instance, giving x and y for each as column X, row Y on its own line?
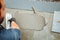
column 8, row 17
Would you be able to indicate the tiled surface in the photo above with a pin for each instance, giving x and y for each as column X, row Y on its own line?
column 44, row 34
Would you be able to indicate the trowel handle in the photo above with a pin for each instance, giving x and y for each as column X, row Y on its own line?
column 12, row 19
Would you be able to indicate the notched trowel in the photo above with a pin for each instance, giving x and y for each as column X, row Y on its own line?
column 8, row 17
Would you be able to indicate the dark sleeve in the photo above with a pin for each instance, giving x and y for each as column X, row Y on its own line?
column 1, row 27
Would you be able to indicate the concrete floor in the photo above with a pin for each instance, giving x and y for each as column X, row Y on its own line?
column 33, row 34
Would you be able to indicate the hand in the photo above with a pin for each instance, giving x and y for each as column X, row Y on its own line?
column 13, row 23
column 12, row 19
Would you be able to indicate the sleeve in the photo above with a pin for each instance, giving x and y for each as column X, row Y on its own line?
column 10, row 34
column 16, row 33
